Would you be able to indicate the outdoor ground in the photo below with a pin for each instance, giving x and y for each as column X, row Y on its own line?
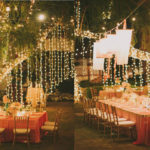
column 87, row 138
column 75, row 134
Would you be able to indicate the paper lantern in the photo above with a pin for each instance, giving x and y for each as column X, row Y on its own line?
column 112, row 43
column 123, row 45
column 103, row 49
column 98, row 63
column 107, row 47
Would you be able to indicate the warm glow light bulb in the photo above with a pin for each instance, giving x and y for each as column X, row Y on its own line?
column 41, row 17
column 103, row 28
column 133, row 19
column 7, row 9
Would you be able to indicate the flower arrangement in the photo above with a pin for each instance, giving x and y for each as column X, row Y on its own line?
column 5, row 99
column 14, row 108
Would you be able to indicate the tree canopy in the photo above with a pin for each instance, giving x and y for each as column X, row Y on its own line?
column 107, row 13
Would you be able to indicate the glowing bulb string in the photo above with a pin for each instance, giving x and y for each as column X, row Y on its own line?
column 11, row 86
column 45, row 70
column 123, row 21
column 148, row 84
column 16, row 87
column 58, row 55
column 116, row 27
column 115, row 74
column 52, row 81
column 21, row 84
column 61, row 53
column 41, row 64
column 50, row 65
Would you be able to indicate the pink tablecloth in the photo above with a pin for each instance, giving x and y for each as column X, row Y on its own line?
column 36, row 120
column 110, row 94
column 139, row 115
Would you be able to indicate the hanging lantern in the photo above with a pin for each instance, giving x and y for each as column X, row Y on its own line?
column 98, row 63
column 124, row 40
column 112, row 43
column 107, row 47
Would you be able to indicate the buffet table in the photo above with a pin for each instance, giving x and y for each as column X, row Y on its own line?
column 140, row 115
column 36, row 120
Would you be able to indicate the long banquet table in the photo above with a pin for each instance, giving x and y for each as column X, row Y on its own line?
column 36, row 120
column 139, row 115
column 109, row 94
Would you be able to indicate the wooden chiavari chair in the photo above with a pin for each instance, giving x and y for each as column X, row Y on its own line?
column 118, row 125
column 21, row 127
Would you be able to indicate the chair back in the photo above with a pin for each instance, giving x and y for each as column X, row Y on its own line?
column 102, row 110
column 58, row 117
column 115, row 116
column 92, row 107
column 21, row 122
column 107, row 112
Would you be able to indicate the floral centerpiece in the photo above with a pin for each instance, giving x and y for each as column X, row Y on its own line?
column 14, row 108
column 6, row 102
column 126, row 86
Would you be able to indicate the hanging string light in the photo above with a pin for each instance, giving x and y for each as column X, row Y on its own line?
column 141, row 74
column 134, row 71
column 45, row 69
column 16, row 87
column 61, row 56
column 8, row 87
column 111, row 72
column 65, row 53
column 11, row 87
column 148, row 80
column 54, row 57
column 41, row 63
column 58, row 54
column 77, row 13
column 91, row 56
column 83, row 58
column 77, row 89
column 52, row 70
column 21, row 84
column 50, row 65
column 68, row 65
column 126, row 72
column 36, row 66
column 89, row 34
column 72, row 64
column 106, row 73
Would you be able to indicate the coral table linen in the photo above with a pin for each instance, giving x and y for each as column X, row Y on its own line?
column 139, row 115
column 36, row 120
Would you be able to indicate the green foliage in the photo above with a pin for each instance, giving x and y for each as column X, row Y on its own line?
column 67, row 86
column 88, row 93
column 97, row 12
column 87, row 83
column 84, row 83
